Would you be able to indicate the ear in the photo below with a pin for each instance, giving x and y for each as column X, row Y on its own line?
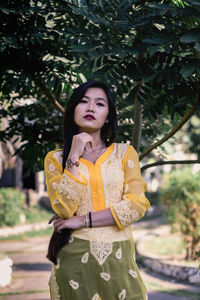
column 106, row 121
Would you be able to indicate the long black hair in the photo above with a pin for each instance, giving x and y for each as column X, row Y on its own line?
column 108, row 131
column 108, row 134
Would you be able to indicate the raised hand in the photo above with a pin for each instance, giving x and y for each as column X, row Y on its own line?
column 79, row 143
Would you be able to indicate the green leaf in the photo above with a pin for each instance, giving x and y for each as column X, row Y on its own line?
column 194, row 2
column 11, row 41
column 198, row 69
column 197, row 46
column 122, row 25
column 156, row 41
column 84, row 47
column 187, row 70
column 190, row 37
column 154, row 49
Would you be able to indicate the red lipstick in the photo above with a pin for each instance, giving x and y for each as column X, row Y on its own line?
column 89, row 117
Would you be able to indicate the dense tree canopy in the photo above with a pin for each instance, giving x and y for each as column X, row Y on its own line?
column 148, row 52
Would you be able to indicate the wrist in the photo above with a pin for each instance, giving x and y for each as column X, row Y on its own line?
column 88, row 220
column 73, row 156
column 71, row 163
column 81, row 221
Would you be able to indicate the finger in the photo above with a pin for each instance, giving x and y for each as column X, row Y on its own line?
column 53, row 218
column 91, row 144
column 59, row 228
column 57, row 222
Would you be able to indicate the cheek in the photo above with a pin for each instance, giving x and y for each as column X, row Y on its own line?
column 76, row 113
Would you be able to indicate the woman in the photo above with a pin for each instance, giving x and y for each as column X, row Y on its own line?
column 95, row 188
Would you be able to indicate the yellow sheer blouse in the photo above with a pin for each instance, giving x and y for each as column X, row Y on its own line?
column 114, row 181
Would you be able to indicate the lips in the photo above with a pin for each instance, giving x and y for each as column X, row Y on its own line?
column 89, row 117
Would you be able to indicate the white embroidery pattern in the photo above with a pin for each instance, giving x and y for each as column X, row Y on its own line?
column 54, row 185
column 105, row 276
column 118, row 254
column 57, row 266
column 96, row 297
column 113, row 185
column 51, row 167
column 56, row 201
column 125, row 215
column 133, row 273
column 122, row 295
column 100, row 250
column 71, row 239
column 74, row 284
column 84, row 258
column 70, row 189
column 130, row 164
column 53, row 285
column 59, row 156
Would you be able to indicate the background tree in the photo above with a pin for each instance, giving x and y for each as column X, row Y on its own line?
column 147, row 51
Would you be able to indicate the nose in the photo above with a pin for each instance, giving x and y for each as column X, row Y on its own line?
column 90, row 107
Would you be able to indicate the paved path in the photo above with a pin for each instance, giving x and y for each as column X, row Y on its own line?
column 31, row 273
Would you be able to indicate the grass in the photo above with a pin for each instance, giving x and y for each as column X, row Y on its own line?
column 164, row 245
column 28, row 234
column 153, row 286
column 24, row 292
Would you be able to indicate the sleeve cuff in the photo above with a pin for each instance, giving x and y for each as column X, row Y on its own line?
column 115, row 218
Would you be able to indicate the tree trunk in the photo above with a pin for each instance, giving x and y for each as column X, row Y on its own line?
column 137, row 128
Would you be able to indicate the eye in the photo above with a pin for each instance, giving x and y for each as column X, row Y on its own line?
column 83, row 101
column 100, row 104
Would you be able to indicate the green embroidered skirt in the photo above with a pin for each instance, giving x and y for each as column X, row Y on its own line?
column 92, row 270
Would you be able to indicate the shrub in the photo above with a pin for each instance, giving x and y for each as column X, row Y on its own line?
column 11, row 206
column 181, row 197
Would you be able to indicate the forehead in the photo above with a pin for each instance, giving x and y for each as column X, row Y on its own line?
column 95, row 92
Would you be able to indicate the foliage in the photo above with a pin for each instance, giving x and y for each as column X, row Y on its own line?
column 11, row 204
column 180, row 195
column 37, row 129
column 37, row 214
column 147, row 51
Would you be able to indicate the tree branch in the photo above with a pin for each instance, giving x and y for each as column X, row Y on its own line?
column 170, row 134
column 49, row 96
column 170, row 162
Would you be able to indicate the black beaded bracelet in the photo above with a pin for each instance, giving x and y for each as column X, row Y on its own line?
column 90, row 218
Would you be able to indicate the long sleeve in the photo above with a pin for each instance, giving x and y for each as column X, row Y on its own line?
column 133, row 204
column 64, row 190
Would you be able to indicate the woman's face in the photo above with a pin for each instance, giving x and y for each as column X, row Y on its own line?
column 92, row 111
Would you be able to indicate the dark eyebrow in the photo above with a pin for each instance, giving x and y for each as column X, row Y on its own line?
column 98, row 98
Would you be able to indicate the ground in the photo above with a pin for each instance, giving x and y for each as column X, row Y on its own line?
column 31, row 273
